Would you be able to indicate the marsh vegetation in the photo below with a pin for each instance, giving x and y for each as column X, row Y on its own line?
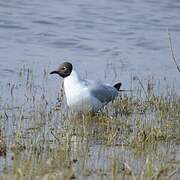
column 135, row 137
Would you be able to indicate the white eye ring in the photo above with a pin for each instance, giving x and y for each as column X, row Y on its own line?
column 64, row 68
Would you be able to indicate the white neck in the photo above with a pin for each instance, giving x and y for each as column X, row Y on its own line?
column 73, row 77
column 72, row 85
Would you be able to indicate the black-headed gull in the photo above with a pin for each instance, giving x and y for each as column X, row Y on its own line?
column 85, row 95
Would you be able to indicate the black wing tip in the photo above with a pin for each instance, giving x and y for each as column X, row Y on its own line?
column 118, row 86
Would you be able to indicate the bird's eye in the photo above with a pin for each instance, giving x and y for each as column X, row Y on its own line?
column 64, row 68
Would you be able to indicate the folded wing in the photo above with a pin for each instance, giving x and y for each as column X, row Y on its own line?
column 104, row 93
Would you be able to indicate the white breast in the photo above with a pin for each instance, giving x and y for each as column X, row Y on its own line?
column 78, row 95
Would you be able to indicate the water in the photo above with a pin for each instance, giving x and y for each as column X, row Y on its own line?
column 130, row 36
column 105, row 40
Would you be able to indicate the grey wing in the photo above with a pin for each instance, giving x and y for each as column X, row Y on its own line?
column 104, row 93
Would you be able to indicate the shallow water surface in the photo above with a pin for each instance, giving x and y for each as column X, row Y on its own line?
column 130, row 36
column 105, row 40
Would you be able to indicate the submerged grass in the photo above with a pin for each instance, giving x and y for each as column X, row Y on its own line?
column 135, row 137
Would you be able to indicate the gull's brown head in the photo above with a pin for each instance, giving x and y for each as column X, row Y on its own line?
column 63, row 70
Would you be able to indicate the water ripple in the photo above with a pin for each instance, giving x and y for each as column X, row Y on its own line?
column 74, row 29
